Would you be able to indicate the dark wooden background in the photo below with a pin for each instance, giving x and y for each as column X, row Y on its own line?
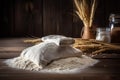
column 26, row 18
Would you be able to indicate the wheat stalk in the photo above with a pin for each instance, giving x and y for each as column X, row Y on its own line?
column 85, row 12
column 93, row 9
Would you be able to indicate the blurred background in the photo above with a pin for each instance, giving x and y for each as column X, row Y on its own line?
column 27, row 18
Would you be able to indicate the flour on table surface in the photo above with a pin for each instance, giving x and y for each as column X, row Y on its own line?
column 55, row 48
column 67, row 65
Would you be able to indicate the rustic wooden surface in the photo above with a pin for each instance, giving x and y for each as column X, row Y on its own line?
column 45, row 17
column 108, row 67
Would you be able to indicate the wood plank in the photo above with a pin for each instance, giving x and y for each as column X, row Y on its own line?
column 91, row 73
column 57, row 19
column 12, row 47
column 108, row 67
column 7, row 49
column 7, row 55
column 107, row 56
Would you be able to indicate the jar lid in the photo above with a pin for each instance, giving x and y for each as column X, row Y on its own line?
column 102, row 29
column 114, row 18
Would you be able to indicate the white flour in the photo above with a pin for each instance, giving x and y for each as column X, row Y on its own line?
column 38, row 57
column 67, row 65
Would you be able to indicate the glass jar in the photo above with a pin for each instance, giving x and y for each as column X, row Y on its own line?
column 114, row 23
column 103, row 34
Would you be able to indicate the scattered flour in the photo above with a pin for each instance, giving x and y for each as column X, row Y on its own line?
column 67, row 65
column 38, row 57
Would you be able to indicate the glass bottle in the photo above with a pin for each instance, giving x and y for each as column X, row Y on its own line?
column 114, row 23
column 103, row 34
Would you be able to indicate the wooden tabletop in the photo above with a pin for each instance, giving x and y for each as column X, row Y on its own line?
column 108, row 67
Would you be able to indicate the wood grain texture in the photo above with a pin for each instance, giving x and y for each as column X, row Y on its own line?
column 108, row 67
column 104, row 70
column 44, row 17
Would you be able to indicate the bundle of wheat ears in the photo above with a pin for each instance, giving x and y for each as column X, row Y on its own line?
column 93, row 47
column 90, row 47
column 85, row 9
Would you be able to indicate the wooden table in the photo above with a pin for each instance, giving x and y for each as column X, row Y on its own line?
column 107, row 69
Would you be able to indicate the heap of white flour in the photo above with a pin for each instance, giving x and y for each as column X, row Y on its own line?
column 47, row 59
column 67, row 65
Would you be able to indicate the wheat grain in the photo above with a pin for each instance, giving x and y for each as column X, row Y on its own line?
column 85, row 11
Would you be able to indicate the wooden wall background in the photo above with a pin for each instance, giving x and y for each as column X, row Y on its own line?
column 26, row 18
